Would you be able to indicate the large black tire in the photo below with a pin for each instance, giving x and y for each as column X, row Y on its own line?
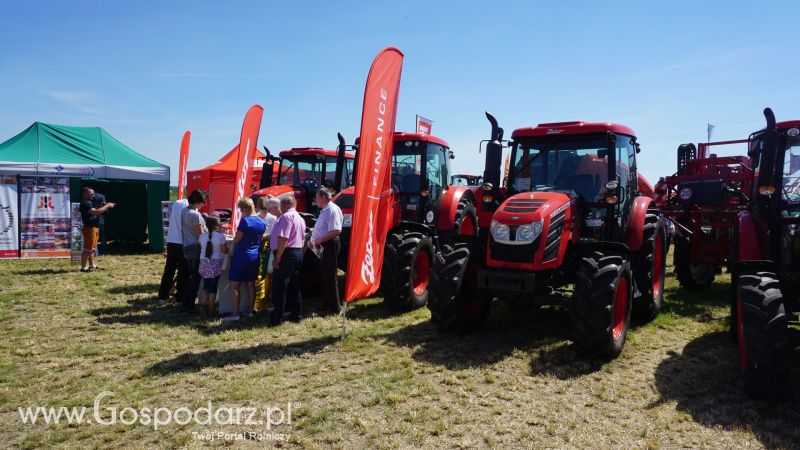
column 600, row 318
column 763, row 336
column 649, row 267
column 407, row 269
column 733, row 319
column 456, row 303
column 691, row 276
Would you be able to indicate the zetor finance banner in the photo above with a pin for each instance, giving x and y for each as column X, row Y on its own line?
column 45, row 217
column 9, row 217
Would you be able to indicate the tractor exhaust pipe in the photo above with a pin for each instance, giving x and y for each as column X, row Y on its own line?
column 340, row 154
column 494, row 154
column 266, row 170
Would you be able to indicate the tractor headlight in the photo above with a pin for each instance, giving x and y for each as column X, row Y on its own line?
column 499, row 231
column 529, row 232
column 347, row 220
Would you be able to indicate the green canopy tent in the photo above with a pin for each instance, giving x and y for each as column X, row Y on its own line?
column 90, row 156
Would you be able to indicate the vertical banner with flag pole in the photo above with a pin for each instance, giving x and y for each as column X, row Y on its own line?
column 424, row 125
column 372, row 174
column 245, row 160
column 182, row 163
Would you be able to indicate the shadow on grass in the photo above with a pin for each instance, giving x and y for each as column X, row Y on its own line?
column 132, row 289
column 44, row 271
column 705, row 382
column 194, row 362
column 538, row 333
column 696, row 304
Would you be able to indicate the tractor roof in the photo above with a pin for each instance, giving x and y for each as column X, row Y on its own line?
column 400, row 136
column 788, row 124
column 576, row 127
column 310, row 151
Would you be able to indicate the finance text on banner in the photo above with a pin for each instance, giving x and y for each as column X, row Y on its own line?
column 372, row 174
column 245, row 160
column 182, row 164
column 9, row 217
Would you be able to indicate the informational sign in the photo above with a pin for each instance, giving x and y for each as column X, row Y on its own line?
column 9, row 217
column 45, row 227
column 166, row 207
column 424, row 125
column 77, row 237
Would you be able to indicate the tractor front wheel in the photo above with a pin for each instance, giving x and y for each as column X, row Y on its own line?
column 763, row 332
column 407, row 269
column 456, row 303
column 601, row 304
column 691, row 276
column 649, row 265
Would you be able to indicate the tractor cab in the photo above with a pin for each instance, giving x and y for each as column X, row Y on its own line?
column 466, row 180
column 554, row 166
column 301, row 172
column 420, row 174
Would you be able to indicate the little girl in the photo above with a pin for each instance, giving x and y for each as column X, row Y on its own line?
column 212, row 246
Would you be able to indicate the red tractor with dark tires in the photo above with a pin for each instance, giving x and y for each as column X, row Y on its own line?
column 703, row 200
column 766, row 276
column 426, row 212
column 569, row 228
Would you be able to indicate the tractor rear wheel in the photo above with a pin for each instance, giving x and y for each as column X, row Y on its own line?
column 407, row 269
column 691, row 276
column 601, row 304
column 763, row 332
column 649, row 265
column 456, row 303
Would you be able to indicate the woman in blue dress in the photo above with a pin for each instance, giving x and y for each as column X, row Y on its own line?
column 244, row 260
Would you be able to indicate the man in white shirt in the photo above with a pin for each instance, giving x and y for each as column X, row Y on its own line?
column 175, row 260
column 325, row 236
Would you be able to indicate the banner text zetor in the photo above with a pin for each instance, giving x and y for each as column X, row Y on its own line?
column 372, row 174
column 245, row 160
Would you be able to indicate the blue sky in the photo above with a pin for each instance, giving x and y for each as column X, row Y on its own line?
column 147, row 71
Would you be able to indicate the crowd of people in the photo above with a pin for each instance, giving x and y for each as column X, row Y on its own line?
column 269, row 246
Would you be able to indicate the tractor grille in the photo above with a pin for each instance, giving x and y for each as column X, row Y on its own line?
column 345, row 201
column 513, row 253
column 523, row 205
column 554, row 236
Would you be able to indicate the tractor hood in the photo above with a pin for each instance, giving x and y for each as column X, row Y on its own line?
column 530, row 207
column 275, row 191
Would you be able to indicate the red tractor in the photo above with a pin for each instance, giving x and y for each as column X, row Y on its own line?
column 766, row 276
column 301, row 172
column 426, row 212
column 703, row 200
column 569, row 228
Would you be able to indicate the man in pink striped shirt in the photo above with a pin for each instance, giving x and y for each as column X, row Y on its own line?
column 286, row 241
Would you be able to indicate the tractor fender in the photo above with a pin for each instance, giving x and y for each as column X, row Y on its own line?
column 633, row 236
column 414, row 226
column 749, row 239
column 448, row 205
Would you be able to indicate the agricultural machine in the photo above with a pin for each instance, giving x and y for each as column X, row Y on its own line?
column 301, row 171
column 466, row 180
column 703, row 200
column 425, row 213
column 767, row 272
column 568, row 228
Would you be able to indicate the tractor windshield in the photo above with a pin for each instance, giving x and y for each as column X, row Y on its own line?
column 569, row 163
column 300, row 171
column 418, row 162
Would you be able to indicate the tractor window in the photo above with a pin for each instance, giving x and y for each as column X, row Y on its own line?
column 436, row 169
column 406, row 169
column 791, row 172
column 330, row 173
column 625, row 163
column 578, row 165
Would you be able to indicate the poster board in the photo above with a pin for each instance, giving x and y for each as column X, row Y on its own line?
column 77, row 237
column 9, row 217
column 166, row 207
column 45, row 217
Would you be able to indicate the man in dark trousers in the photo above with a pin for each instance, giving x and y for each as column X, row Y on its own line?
column 98, row 201
column 192, row 226
column 175, row 259
column 325, row 237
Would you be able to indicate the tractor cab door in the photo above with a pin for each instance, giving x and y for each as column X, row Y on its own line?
column 420, row 171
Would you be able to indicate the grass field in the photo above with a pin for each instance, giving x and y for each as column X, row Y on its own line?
column 394, row 382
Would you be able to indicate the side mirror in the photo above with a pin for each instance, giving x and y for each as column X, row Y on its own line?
column 602, row 153
column 452, row 156
column 638, row 148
